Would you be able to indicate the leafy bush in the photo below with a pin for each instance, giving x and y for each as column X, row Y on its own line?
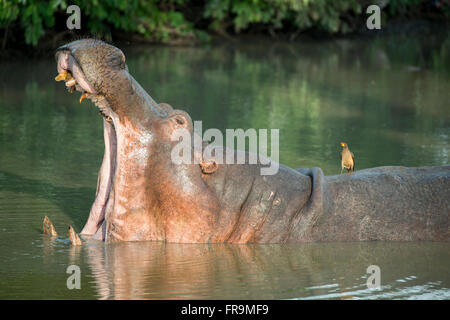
column 171, row 20
column 145, row 18
column 301, row 14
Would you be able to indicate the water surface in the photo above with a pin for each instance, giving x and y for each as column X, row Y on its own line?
column 388, row 98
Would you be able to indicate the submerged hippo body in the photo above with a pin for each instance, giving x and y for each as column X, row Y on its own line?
column 143, row 195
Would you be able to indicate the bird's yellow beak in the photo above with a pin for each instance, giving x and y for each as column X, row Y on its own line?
column 342, row 144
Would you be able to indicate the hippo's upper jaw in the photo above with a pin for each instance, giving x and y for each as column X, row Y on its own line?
column 67, row 63
column 88, row 66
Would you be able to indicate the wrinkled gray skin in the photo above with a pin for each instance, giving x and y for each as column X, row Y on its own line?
column 385, row 203
column 151, row 198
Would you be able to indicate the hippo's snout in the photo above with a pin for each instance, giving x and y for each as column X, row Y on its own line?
column 70, row 71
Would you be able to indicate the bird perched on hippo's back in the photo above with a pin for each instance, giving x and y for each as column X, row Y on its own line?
column 347, row 158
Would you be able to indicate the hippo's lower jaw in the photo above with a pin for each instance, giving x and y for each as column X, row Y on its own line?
column 104, row 198
column 96, row 224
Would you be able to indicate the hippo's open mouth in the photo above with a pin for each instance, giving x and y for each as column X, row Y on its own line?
column 71, row 72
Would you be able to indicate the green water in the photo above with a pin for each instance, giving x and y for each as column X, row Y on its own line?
column 388, row 98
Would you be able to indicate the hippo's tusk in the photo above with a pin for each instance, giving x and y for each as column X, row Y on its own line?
column 74, row 238
column 62, row 76
column 83, row 96
column 48, row 227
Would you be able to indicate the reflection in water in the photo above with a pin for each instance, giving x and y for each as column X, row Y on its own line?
column 155, row 270
column 386, row 97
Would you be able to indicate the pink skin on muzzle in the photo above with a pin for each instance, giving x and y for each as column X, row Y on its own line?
column 66, row 62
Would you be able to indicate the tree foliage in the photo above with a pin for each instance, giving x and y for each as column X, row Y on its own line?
column 172, row 20
column 154, row 19
column 300, row 14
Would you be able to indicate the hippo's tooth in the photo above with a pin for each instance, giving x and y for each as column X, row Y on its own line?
column 61, row 76
column 83, row 96
column 74, row 238
column 48, row 227
column 107, row 118
column 71, row 82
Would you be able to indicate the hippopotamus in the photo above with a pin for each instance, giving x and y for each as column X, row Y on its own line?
column 143, row 195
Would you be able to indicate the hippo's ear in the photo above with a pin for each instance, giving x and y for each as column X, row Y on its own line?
column 166, row 107
column 179, row 119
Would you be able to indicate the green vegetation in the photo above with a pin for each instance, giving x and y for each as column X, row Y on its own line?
column 277, row 14
column 174, row 21
column 146, row 18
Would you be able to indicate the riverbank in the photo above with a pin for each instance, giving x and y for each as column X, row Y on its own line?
column 34, row 30
column 419, row 27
